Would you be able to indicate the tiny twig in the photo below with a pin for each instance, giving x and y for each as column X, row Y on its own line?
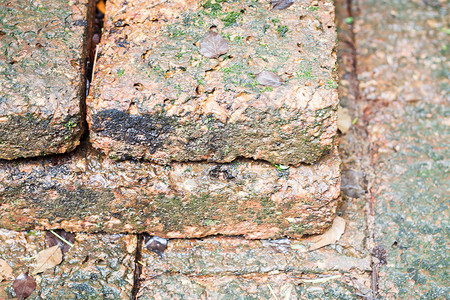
column 320, row 280
column 141, row 263
column 62, row 239
column 423, row 255
column 271, row 290
column 95, row 62
column 375, row 270
column 118, row 12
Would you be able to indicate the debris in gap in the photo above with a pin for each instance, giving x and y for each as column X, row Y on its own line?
column 64, row 239
column 353, row 183
column 6, row 272
column 349, row 20
column 24, row 285
column 221, row 172
column 379, row 252
column 281, row 4
column 47, row 259
column 101, row 6
column 281, row 167
column 268, row 78
column 96, row 37
column 213, row 45
column 332, row 235
column 344, row 120
column 321, row 280
column 155, row 244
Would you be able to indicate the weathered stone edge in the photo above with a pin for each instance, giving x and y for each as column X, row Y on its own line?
column 74, row 198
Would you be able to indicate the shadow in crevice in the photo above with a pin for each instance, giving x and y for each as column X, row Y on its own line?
column 95, row 17
column 137, row 267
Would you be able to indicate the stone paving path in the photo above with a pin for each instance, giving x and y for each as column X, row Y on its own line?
column 393, row 66
column 403, row 68
column 398, row 89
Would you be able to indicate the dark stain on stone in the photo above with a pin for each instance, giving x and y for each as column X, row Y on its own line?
column 116, row 215
column 30, row 134
column 214, row 142
column 120, row 23
column 221, row 172
column 69, row 204
column 148, row 130
column 16, row 126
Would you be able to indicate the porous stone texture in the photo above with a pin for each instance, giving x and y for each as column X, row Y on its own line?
column 252, row 286
column 99, row 266
column 156, row 97
column 228, row 255
column 86, row 191
column 395, row 40
column 403, row 57
column 235, row 268
column 42, row 66
column 412, row 215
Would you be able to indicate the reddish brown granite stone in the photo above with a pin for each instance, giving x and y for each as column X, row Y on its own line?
column 156, row 97
column 42, row 58
column 86, row 191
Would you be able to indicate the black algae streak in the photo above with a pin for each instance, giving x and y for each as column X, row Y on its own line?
column 147, row 130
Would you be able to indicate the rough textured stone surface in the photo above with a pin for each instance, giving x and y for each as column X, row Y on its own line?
column 86, row 191
column 232, row 267
column 412, row 213
column 253, row 286
column 226, row 255
column 404, row 83
column 156, row 97
column 42, row 65
column 235, row 268
column 403, row 50
column 99, row 266
column 42, row 58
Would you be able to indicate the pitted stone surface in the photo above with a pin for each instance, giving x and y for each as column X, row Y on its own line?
column 253, row 286
column 403, row 72
column 42, row 57
column 403, row 50
column 217, row 267
column 227, row 255
column 86, row 191
column 99, row 266
column 156, row 97
column 412, row 215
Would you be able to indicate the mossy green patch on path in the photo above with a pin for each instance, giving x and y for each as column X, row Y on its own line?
column 412, row 219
